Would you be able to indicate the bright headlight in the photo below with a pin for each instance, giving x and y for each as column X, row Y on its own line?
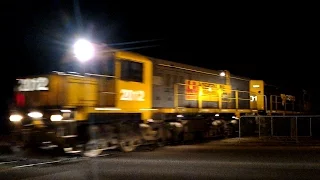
column 35, row 114
column 15, row 118
column 56, row 117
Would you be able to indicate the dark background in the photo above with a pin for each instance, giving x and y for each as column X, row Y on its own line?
column 274, row 42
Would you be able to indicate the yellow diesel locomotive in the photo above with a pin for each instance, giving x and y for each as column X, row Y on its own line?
column 123, row 99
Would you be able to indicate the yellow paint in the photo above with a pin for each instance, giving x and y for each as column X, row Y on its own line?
column 145, row 86
column 257, row 98
column 38, row 123
column 81, row 91
column 228, row 78
column 49, row 97
column 286, row 97
column 88, row 93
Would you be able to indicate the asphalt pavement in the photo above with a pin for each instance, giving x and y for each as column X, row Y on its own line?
column 211, row 160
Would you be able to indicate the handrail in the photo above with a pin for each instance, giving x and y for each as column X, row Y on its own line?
column 218, row 98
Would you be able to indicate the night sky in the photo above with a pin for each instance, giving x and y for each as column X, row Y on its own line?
column 276, row 43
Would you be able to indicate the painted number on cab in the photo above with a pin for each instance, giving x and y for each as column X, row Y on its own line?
column 253, row 98
column 33, row 84
column 131, row 95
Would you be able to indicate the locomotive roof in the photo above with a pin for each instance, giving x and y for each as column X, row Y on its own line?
column 197, row 68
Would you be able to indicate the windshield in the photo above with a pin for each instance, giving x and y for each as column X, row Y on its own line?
column 101, row 66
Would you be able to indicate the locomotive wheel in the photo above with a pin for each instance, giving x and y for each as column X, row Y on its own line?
column 127, row 145
column 94, row 147
column 161, row 142
column 128, row 138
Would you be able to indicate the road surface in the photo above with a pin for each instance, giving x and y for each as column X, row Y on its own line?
column 202, row 161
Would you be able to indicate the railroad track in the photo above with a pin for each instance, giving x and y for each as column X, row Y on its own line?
column 28, row 159
column 12, row 162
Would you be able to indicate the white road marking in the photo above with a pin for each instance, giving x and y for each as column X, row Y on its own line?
column 47, row 162
column 44, row 163
column 36, row 164
column 7, row 162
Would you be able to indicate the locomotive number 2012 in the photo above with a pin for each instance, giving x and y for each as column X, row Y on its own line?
column 34, row 84
column 131, row 95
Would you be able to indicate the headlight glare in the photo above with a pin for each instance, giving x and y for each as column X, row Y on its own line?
column 35, row 114
column 56, row 117
column 15, row 118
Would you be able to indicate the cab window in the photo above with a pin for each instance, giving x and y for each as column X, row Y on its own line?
column 131, row 71
column 103, row 66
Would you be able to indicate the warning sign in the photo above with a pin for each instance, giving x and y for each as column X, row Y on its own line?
column 192, row 90
column 210, row 91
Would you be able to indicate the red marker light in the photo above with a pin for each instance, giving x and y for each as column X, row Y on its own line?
column 20, row 99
